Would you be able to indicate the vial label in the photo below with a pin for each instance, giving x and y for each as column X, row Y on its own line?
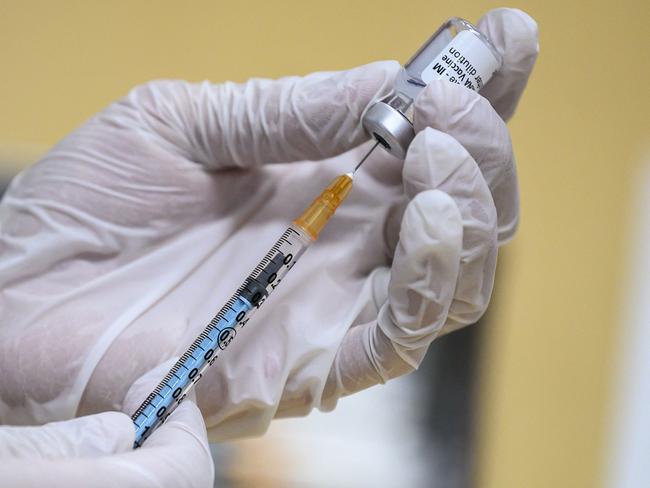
column 466, row 61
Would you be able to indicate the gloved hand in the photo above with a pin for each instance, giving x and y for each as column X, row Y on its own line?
column 97, row 450
column 122, row 243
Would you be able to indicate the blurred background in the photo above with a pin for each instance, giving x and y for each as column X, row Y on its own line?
column 553, row 387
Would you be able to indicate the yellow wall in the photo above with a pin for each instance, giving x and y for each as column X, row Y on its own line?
column 580, row 129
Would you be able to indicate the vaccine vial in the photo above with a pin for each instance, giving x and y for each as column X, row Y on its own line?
column 458, row 53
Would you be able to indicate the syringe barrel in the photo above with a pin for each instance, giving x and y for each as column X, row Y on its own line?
column 236, row 313
column 220, row 332
column 457, row 52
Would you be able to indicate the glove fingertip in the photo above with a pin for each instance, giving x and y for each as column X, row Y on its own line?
column 432, row 220
column 101, row 434
column 187, row 419
column 122, row 423
column 512, row 31
column 515, row 35
column 431, row 158
column 188, row 413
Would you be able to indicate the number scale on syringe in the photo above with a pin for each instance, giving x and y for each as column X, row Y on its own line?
column 220, row 332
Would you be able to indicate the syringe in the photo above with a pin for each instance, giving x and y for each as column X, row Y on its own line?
column 457, row 52
column 236, row 313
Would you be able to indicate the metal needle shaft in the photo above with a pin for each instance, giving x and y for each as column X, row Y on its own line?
column 365, row 157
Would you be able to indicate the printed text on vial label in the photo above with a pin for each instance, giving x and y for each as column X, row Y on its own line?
column 458, row 69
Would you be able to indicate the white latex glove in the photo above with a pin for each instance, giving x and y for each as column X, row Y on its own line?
column 97, row 450
column 122, row 243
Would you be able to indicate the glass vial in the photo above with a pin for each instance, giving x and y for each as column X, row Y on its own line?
column 457, row 52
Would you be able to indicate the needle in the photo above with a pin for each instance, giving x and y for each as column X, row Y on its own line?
column 365, row 157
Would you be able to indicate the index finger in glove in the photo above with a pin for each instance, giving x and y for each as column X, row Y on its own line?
column 176, row 454
column 423, row 296
column 260, row 121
